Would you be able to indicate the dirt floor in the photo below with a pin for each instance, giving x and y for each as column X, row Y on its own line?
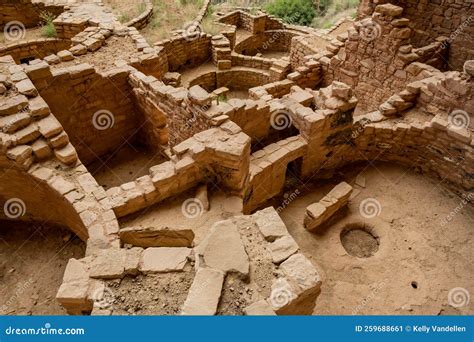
column 29, row 34
column 33, row 258
column 169, row 214
column 170, row 15
column 418, row 257
column 115, row 48
column 159, row 294
column 124, row 165
column 126, row 10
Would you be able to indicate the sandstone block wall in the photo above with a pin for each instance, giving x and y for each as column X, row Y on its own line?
column 81, row 98
column 38, row 48
column 453, row 19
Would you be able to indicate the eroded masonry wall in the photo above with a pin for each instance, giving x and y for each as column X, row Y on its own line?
column 26, row 12
column 35, row 200
column 96, row 110
column 431, row 19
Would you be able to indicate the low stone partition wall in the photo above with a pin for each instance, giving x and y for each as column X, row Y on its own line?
column 144, row 18
column 273, row 40
column 220, row 154
column 320, row 212
column 186, row 53
column 268, row 170
column 35, row 49
column 303, row 46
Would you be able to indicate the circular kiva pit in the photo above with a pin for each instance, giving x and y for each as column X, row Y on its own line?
column 359, row 240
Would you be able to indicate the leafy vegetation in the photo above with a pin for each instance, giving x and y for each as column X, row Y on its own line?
column 317, row 13
column 298, row 12
column 47, row 27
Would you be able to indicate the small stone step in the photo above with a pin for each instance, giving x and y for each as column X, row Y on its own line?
column 12, row 123
column 66, row 155
column 13, row 105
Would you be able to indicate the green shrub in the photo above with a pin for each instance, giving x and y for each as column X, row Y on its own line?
column 47, row 27
column 298, row 12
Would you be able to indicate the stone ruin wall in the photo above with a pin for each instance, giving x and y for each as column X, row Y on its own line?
column 376, row 61
column 451, row 19
column 26, row 12
column 39, row 48
column 216, row 144
column 87, row 92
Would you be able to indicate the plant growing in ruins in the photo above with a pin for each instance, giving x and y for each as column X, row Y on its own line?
column 47, row 27
column 300, row 12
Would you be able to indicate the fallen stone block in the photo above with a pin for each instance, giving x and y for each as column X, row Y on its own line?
column 222, row 249
column 164, row 259
column 157, row 236
column 260, row 308
column 205, row 292
column 270, row 224
column 318, row 213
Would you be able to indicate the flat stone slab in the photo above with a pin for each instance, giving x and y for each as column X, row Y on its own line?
column 260, row 308
column 164, row 259
column 282, row 248
column 223, row 249
column 205, row 292
column 270, row 224
column 157, row 236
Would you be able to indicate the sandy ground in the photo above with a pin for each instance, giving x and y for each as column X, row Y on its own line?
column 114, row 49
column 32, row 263
column 125, row 165
column 419, row 259
column 169, row 213
column 29, row 34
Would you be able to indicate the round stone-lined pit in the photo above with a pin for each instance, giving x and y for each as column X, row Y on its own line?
column 359, row 240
